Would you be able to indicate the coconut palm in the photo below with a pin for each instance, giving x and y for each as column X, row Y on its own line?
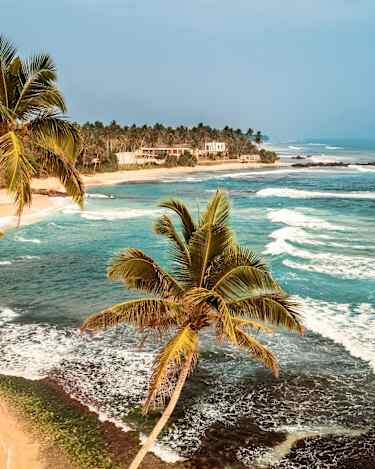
column 215, row 284
column 32, row 127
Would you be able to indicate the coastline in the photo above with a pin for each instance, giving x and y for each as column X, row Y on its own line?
column 47, row 428
column 44, row 205
column 42, row 427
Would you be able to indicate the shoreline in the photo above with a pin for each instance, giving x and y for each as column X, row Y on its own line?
column 44, row 205
column 55, row 430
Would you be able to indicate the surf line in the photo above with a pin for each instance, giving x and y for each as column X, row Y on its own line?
column 276, row 454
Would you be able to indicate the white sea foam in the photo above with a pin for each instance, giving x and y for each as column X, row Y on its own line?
column 301, row 194
column 115, row 214
column 328, row 147
column 352, row 326
column 99, row 196
column 5, row 262
column 331, row 264
column 28, row 258
column 7, row 314
column 21, row 239
column 295, row 217
column 363, row 169
column 321, row 261
column 292, row 147
column 33, row 350
column 162, row 452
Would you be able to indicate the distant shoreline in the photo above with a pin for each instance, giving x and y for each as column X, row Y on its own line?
column 44, row 205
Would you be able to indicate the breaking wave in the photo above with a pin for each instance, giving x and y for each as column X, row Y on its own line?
column 21, row 239
column 301, row 194
column 110, row 215
column 363, row 169
column 288, row 240
column 100, row 196
column 352, row 326
column 7, row 314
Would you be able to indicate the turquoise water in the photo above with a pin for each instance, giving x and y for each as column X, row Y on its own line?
column 314, row 227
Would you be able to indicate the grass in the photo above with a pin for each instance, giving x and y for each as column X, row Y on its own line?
column 77, row 433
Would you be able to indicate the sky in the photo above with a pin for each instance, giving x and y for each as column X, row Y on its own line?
column 296, row 69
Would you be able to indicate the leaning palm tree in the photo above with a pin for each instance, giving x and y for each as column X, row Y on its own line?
column 215, row 284
column 32, row 126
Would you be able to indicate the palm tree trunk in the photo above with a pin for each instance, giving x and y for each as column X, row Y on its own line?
column 165, row 416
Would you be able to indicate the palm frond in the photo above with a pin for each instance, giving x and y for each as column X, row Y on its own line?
column 141, row 272
column 272, row 308
column 218, row 210
column 202, row 296
column 6, row 114
column 154, row 313
column 259, row 326
column 205, row 244
column 181, row 256
column 178, row 207
column 17, row 170
column 57, row 165
column 234, row 256
column 7, row 51
column 56, row 134
column 37, row 88
column 41, row 62
column 168, row 362
column 257, row 350
column 243, row 280
column 7, row 55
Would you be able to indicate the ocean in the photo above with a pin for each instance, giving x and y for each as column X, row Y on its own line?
column 316, row 230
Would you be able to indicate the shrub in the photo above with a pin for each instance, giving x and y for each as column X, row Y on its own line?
column 187, row 159
column 267, row 156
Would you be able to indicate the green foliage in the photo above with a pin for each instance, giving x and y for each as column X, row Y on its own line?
column 171, row 161
column 77, row 433
column 267, row 156
column 187, row 159
column 99, row 141
column 34, row 136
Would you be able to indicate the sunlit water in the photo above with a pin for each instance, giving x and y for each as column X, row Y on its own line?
column 315, row 228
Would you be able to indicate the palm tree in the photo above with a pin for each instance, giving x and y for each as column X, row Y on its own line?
column 258, row 137
column 32, row 129
column 215, row 284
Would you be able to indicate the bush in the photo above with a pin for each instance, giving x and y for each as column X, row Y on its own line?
column 171, row 161
column 267, row 156
column 187, row 159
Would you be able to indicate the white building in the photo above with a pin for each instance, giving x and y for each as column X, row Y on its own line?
column 215, row 147
column 250, row 158
column 126, row 157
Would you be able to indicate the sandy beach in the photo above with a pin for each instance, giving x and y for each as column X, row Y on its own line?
column 17, row 450
column 43, row 205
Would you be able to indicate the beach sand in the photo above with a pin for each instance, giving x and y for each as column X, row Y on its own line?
column 17, row 450
column 42, row 205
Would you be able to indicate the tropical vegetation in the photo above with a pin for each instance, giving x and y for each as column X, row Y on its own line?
column 35, row 138
column 215, row 284
column 101, row 142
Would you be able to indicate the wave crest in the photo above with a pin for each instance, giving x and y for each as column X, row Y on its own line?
column 302, row 194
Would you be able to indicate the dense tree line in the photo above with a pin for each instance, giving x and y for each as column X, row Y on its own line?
column 101, row 142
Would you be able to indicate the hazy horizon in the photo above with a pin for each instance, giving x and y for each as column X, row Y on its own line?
column 295, row 70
